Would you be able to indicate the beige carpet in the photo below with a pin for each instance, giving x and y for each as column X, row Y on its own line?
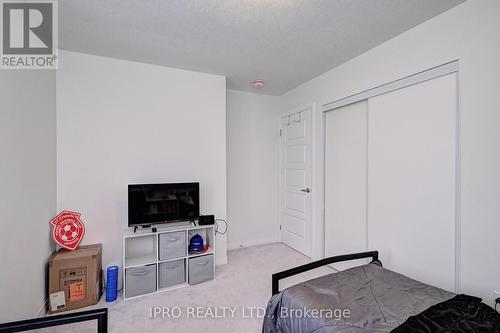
column 242, row 288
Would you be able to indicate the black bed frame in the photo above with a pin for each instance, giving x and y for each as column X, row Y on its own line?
column 315, row 264
column 101, row 315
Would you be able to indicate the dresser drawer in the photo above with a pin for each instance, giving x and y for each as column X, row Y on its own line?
column 140, row 280
column 201, row 269
column 172, row 273
column 172, row 245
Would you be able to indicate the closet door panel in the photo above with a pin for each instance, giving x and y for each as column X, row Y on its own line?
column 345, row 182
column 411, row 180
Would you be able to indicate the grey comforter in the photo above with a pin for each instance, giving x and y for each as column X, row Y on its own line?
column 367, row 298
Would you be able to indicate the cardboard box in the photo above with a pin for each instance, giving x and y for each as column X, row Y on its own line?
column 75, row 278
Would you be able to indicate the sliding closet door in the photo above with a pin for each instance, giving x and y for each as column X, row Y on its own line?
column 411, row 179
column 345, row 181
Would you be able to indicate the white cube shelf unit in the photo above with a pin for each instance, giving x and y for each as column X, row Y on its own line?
column 156, row 262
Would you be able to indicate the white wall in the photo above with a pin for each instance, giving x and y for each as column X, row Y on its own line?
column 468, row 32
column 122, row 122
column 28, row 191
column 252, row 165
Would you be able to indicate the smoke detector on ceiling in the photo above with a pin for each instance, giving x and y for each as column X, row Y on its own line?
column 258, row 83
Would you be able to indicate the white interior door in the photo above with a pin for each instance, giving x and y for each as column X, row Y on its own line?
column 346, row 151
column 296, row 179
column 412, row 159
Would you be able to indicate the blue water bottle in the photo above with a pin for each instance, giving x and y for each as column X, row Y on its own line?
column 111, row 283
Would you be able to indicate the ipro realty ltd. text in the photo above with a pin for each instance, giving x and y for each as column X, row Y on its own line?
column 243, row 312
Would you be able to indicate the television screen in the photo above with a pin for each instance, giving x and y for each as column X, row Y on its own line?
column 162, row 203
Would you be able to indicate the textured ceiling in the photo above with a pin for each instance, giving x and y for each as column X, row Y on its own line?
column 284, row 42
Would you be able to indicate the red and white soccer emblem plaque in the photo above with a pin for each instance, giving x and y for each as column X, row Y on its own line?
column 67, row 229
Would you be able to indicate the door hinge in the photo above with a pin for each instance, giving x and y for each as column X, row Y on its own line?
column 280, row 226
column 281, row 132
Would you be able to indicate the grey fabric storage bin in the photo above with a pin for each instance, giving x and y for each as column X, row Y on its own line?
column 201, row 269
column 172, row 273
column 140, row 280
column 172, row 245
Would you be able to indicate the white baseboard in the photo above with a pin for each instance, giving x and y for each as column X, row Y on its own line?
column 253, row 242
column 220, row 260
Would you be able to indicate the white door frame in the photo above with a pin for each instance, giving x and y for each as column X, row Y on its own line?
column 317, row 189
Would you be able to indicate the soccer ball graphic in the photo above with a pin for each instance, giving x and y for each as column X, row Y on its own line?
column 67, row 229
column 69, row 232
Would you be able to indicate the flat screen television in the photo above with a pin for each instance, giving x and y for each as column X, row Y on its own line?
column 150, row 204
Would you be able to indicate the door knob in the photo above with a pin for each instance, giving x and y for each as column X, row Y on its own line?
column 307, row 190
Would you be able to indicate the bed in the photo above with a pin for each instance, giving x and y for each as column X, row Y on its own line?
column 370, row 298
